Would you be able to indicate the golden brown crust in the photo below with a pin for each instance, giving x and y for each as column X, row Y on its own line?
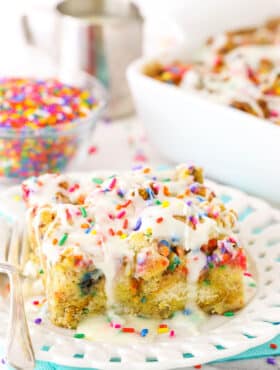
column 244, row 107
column 221, row 289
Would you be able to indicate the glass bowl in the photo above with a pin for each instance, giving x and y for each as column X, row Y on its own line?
column 52, row 148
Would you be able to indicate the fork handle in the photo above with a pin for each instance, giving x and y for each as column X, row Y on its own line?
column 19, row 352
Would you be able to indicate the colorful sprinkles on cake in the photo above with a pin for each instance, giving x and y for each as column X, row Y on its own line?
column 134, row 229
column 37, row 124
column 79, row 335
column 237, row 68
column 38, row 321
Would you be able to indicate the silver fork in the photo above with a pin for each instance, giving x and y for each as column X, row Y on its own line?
column 13, row 255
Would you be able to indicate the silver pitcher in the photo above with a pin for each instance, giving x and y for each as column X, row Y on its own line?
column 101, row 37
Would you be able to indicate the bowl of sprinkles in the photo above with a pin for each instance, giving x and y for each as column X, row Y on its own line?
column 44, row 122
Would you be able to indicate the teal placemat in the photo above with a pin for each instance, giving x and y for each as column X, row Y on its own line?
column 263, row 350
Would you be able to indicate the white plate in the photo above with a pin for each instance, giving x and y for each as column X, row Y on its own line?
column 257, row 323
column 232, row 146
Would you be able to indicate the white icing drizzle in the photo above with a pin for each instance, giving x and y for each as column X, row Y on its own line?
column 100, row 229
column 234, row 81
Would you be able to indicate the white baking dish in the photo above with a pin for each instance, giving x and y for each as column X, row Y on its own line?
column 189, row 22
column 234, row 147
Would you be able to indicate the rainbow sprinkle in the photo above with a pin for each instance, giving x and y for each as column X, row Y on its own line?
column 79, row 335
column 128, row 330
column 38, row 321
column 144, row 332
column 162, row 329
column 229, row 314
column 63, row 239
column 83, row 212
